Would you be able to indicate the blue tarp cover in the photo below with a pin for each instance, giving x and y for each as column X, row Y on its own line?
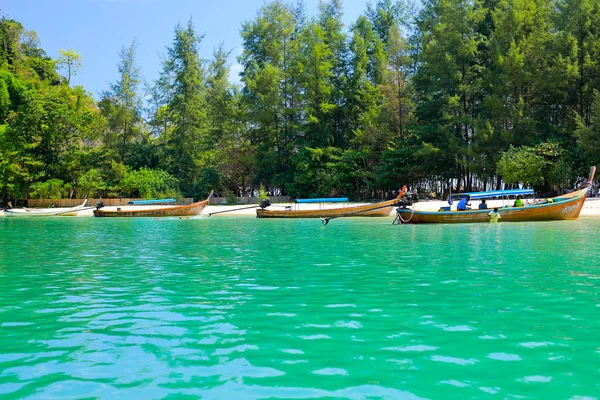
column 141, row 202
column 494, row 193
column 323, row 200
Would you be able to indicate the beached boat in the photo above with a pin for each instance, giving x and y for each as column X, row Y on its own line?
column 44, row 212
column 563, row 207
column 382, row 209
column 190, row 210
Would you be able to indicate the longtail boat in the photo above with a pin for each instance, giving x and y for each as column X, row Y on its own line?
column 382, row 209
column 44, row 212
column 190, row 210
column 565, row 207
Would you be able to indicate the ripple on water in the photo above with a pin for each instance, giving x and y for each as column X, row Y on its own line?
column 454, row 360
column 238, row 307
column 537, row 379
column 415, row 348
column 454, row 382
column 331, row 371
column 315, row 337
column 533, row 345
column 504, row 357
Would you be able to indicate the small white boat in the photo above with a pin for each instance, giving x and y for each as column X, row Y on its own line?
column 44, row 212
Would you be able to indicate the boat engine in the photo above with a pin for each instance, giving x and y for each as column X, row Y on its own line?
column 265, row 203
column 99, row 205
column 404, row 203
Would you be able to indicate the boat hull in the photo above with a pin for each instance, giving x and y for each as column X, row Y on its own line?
column 361, row 211
column 566, row 207
column 177, row 211
column 34, row 214
column 382, row 209
column 49, row 212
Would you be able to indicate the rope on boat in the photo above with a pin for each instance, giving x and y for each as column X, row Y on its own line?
column 263, row 204
column 325, row 221
column 406, row 221
column 394, row 202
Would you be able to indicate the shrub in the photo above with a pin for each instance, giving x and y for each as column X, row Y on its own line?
column 230, row 196
column 262, row 193
column 53, row 189
column 90, row 183
column 150, row 183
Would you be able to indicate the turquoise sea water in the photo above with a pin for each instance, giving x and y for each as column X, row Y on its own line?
column 234, row 307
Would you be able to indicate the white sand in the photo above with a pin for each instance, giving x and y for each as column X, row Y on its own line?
column 590, row 208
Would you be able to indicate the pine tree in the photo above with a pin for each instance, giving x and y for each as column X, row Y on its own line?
column 330, row 20
column 272, row 93
column 188, row 106
column 448, row 78
column 316, row 80
column 122, row 105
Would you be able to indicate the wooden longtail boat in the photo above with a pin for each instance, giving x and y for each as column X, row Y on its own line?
column 382, row 209
column 190, row 210
column 44, row 212
column 567, row 207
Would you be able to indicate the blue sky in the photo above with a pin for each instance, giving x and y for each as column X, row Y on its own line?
column 97, row 29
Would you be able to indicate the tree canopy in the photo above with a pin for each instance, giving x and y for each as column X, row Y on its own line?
column 458, row 94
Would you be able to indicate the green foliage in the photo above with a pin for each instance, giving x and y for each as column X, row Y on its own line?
column 121, row 106
column 399, row 167
column 53, row 189
column 588, row 135
column 522, row 165
column 150, row 184
column 69, row 61
column 231, row 198
column 209, row 180
column 90, row 184
column 315, row 174
column 477, row 93
column 188, row 106
column 262, row 193
column 272, row 94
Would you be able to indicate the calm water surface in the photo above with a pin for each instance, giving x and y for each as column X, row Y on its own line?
column 234, row 307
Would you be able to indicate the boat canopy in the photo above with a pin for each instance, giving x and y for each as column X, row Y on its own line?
column 324, row 200
column 493, row 193
column 160, row 201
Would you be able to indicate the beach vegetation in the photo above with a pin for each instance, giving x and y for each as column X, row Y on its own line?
column 447, row 96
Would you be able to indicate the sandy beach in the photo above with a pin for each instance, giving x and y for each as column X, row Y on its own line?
column 591, row 208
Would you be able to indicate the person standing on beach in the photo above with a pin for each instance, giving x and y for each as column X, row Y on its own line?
column 494, row 215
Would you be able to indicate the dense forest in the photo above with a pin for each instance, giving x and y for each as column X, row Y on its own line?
column 454, row 94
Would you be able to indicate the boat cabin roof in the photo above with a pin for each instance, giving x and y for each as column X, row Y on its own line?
column 156, row 201
column 324, row 200
column 492, row 194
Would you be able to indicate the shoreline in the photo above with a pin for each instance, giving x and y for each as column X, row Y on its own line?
column 591, row 208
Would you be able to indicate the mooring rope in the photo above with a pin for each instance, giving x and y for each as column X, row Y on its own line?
column 406, row 221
